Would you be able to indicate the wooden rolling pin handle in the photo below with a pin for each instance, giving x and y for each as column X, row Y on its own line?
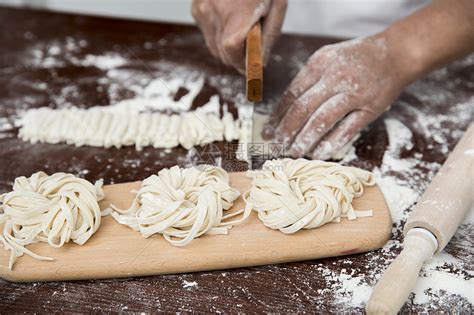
column 397, row 282
column 429, row 228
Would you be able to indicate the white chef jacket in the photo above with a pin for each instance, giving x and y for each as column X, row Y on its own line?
column 342, row 18
column 346, row 18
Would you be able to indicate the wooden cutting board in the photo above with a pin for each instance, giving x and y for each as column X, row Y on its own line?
column 118, row 251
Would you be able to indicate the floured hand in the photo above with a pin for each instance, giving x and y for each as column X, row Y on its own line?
column 225, row 24
column 342, row 88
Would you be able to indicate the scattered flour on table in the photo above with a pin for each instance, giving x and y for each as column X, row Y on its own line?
column 6, row 128
column 399, row 178
column 444, row 276
column 399, row 136
column 104, row 62
column 189, row 284
column 158, row 94
column 157, row 91
column 434, row 280
column 398, row 197
column 348, row 289
column 413, row 170
column 439, row 126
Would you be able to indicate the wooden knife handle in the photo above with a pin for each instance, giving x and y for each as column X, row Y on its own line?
column 448, row 198
column 254, row 64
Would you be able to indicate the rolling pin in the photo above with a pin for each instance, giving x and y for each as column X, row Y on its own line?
column 432, row 223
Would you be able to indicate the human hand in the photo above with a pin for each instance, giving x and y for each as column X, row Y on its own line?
column 342, row 89
column 225, row 24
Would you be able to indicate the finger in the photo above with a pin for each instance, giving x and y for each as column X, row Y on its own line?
column 272, row 24
column 303, row 81
column 319, row 124
column 233, row 42
column 342, row 134
column 268, row 130
column 235, row 33
column 208, row 28
column 203, row 13
column 218, row 28
column 233, row 49
column 300, row 111
column 219, row 47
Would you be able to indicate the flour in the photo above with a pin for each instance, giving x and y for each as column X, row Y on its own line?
column 171, row 92
column 5, row 125
column 352, row 290
column 398, row 197
column 105, row 62
column 347, row 152
column 439, row 127
column 350, row 155
column 437, row 279
column 189, row 284
column 398, row 194
column 437, row 282
column 158, row 94
column 399, row 136
column 399, row 179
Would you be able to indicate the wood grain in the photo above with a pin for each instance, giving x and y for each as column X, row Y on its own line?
column 117, row 251
column 254, row 64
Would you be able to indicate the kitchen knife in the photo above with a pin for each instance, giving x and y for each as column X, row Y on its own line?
column 254, row 91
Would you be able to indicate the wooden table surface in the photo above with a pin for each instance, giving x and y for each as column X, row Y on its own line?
column 42, row 64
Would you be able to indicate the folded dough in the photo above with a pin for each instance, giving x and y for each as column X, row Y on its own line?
column 53, row 209
column 290, row 195
column 182, row 204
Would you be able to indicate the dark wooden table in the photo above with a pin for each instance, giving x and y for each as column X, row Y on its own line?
column 40, row 65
